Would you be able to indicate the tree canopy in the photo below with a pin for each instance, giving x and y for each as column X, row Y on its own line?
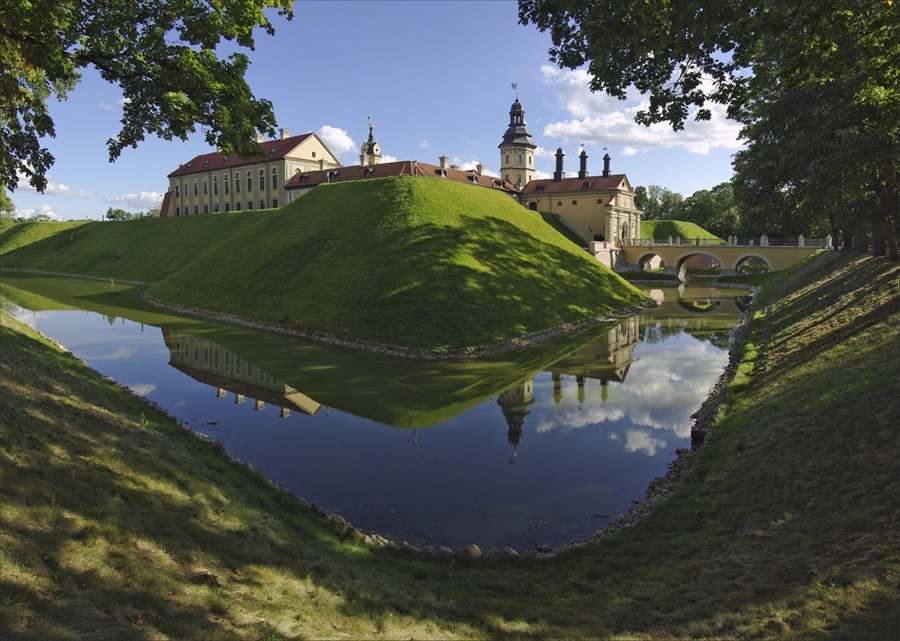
column 161, row 53
column 815, row 84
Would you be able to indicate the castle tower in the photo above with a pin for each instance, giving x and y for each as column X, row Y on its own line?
column 517, row 149
column 370, row 152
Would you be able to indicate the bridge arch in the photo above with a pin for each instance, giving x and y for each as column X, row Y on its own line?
column 740, row 260
column 652, row 259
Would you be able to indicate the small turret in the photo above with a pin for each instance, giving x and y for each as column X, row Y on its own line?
column 559, row 174
column 606, row 165
column 582, row 172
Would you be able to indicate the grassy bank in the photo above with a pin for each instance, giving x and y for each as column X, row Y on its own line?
column 117, row 524
column 403, row 261
column 665, row 229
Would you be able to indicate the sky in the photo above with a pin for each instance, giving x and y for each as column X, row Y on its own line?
column 434, row 76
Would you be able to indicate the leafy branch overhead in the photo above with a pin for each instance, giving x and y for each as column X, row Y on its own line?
column 161, row 53
column 815, row 84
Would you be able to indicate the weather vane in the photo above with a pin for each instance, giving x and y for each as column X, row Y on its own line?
column 515, row 87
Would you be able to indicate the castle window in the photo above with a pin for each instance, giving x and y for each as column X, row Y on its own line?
column 205, row 209
column 196, row 209
column 520, row 158
column 262, row 204
column 195, row 189
column 216, row 207
column 237, row 183
column 313, row 154
column 518, row 179
column 177, row 211
column 227, row 208
column 275, row 202
column 262, row 180
column 507, row 159
column 599, row 201
column 274, row 178
column 177, row 191
column 205, row 187
column 216, row 186
column 225, row 184
column 237, row 206
column 574, row 202
column 249, row 182
column 559, row 203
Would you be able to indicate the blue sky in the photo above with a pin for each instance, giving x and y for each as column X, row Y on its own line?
column 436, row 78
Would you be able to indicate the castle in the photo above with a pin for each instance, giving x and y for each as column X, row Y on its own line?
column 598, row 208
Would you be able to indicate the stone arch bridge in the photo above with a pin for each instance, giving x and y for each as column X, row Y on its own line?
column 672, row 255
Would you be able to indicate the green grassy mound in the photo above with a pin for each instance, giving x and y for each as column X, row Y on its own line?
column 663, row 229
column 403, row 261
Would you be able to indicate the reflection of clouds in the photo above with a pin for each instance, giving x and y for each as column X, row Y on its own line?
column 123, row 352
column 574, row 419
column 642, row 441
column 143, row 389
column 666, row 383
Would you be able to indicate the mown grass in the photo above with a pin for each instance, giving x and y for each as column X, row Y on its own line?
column 116, row 524
column 403, row 261
column 665, row 229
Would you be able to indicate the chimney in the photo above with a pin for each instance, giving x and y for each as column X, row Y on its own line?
column 582, row 173
column 479, row 169
column 606, row 165
column 260, row 138
column 321, row 163
column 285, row 133
column 443, row 161
column 558, row 174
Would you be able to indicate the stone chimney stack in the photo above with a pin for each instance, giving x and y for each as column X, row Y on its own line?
column 582, row 173
column 559, row 174
column 443, row 161
column 285, row 133
column 479, row 169
column 260, row 138
column 606, row 165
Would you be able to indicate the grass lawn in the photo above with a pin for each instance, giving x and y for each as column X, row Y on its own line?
column 411, row 262
column 115, row 523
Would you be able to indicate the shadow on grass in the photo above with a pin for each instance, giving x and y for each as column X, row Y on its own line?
column 787, row 525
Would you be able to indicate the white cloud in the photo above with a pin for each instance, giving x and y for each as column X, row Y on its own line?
column 338, row 140
column 105, row 106
column 641, row 441
column 389, row 159
column 42, row 210
column 423, row 144
column 605, row 121
column 54, row 188
column 123, row 352
column 142, row 201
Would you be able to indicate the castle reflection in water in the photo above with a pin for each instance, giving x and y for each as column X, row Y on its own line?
column 606, row 359
column 211, row 364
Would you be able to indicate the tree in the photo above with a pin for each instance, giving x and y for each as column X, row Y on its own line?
column 658, row 203
column 829, row 67
column 118, row 214
column 714, row 210
column 7, row 210
column 162, row 55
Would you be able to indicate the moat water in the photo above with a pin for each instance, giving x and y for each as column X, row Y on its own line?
column 538, row 447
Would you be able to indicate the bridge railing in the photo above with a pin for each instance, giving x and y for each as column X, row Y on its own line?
column 731, row 241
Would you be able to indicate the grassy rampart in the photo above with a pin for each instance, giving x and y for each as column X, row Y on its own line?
column 665, row 229
column 403, row 261
column 117, row 524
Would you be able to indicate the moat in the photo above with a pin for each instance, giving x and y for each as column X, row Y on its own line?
column 538, row 447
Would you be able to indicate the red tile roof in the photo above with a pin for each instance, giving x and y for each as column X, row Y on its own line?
column 397, row 168
column 271, row 150
column 569, row 185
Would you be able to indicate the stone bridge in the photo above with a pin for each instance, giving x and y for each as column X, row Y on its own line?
column 671, row 255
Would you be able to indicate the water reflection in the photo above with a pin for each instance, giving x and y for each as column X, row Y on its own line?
column 210, row 363
column 528, row 447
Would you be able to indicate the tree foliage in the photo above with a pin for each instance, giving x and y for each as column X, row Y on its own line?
column 816, row 84
column 161, row 53
column 657, row 202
